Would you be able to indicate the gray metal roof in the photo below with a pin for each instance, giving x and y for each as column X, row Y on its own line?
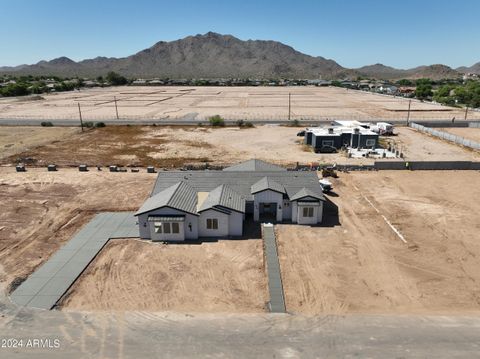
column 223, row 197
column 240, row 182
column 267, row 183
column 178, row 195
column 254, row 165
column 305, row 192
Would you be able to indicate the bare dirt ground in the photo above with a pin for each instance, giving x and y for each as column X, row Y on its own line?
column 18, row 139
column 362, row 266
column 167, row 147
column 419, row 146
column 470, row 133
column 223, row 276
column 42, row 210
column 198, row 103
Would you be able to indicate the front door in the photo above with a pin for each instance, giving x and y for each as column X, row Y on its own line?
column 268, row 212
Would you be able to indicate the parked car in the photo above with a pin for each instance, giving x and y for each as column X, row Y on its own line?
column 326, row 149
column 301, row 134
column 326, row 185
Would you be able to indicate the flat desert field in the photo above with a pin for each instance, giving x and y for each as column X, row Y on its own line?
column 355, row 262
column 419, row 146
column 172, row 146
column 358, row 264
column 42, row 210
column 223, row 276
column 233, row 103
column 470, row 133
column 21, row 138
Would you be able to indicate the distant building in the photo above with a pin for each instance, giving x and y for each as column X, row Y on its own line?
column 342, row 134
column 407, row 90
column 139, row 82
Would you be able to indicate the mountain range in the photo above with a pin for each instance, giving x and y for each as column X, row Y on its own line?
column 214, row 55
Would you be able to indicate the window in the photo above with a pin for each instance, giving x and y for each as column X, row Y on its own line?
column 370, row 143
column 175, row 227
column 327, row 143
column 212, row 223
column 308, row 211
column 166, row 228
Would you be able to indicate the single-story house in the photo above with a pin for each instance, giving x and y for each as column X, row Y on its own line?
column 187, row 205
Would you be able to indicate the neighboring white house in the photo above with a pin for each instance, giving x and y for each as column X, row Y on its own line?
column 187, row 205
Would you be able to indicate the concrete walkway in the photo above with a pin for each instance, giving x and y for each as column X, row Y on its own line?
column 50, row 281
column 275, row 287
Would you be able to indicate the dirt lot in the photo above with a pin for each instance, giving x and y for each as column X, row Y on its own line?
column 362, row 266
column 224, row 276
column 45, row 209
column 471, row 133
column 42, row 210
column 422, row 147
column 198, row 103
column 18, row 139
column 176, row 146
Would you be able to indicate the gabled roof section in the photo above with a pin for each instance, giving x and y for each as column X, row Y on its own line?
column 178, row 196
column 240, row 182
column 267, row 183
column 254, row 165
column 223, row 197
column 305, row 192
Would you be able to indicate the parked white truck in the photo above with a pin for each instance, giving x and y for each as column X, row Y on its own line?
column 384, row 128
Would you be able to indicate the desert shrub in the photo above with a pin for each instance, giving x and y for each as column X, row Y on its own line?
column 248, row 124
column 88, row 124
column 100, row 124
column 216, row 121
column 46, row 124
column 294, row 123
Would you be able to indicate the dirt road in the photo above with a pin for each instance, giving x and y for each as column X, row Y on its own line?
column 362, row 266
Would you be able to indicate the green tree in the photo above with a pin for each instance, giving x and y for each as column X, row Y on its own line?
column 443, row 95
column 423, row 91
column 404, row 82
column 19, row 89
column 116, row 79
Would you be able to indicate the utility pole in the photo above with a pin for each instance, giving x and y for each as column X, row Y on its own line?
column 289, row 105
column 116, row 108
column 408, row 115
column 466, row 112
column 80, row 113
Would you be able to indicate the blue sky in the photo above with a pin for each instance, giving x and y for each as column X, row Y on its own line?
column 402, row 34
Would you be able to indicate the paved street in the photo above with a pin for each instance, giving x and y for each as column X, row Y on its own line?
column 167, row 335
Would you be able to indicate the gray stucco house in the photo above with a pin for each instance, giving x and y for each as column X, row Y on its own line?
column 187, row 205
